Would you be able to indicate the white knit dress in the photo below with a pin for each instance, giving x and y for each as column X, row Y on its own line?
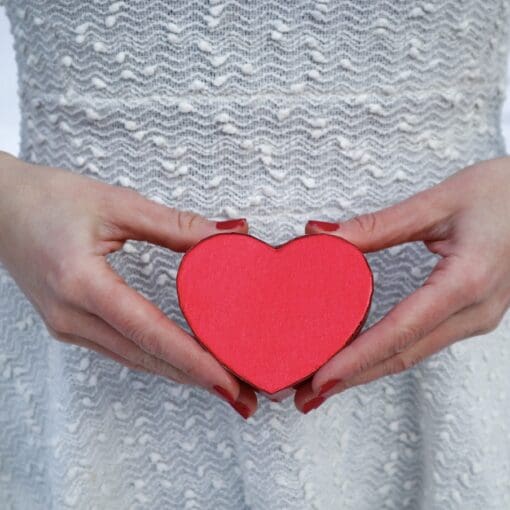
column 278, row 111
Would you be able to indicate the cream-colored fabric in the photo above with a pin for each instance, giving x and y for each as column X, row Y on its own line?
column 279, row 111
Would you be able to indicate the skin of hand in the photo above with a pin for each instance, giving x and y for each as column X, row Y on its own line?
column 56, row 228
column 465, row 220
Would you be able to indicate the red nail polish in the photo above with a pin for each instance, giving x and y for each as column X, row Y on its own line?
column 312, row 404
column 229, row 224
column 224, row 393
column 328, row 385
column 242, row 409
column 324, row 225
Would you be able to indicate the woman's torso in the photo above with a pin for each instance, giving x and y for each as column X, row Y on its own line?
column 278, row 111
column 266, row 109
column 274, row 111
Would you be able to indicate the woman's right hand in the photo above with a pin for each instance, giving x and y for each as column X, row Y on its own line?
column 56, row 227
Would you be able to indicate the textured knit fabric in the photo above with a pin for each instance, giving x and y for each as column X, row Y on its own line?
column 278, row 111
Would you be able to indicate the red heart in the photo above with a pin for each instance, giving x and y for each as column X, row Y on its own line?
column 274, row 315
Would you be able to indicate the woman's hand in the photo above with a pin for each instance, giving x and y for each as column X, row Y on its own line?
column 466, row 220
column 56, row 228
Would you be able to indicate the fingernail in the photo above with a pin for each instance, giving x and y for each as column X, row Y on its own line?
column 313, row 404
column 224, row 393
column 328, row 385
column 242, row 409
column 229, row 224
column 324, row 225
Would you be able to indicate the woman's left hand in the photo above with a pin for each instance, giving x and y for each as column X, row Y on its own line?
column 466, row 220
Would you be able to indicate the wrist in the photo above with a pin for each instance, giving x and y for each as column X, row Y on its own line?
column 11, row 190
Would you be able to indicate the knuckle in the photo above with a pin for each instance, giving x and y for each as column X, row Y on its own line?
column 149, row 362
column 194, row 373
column 54, row 333
column 397, row 364
column 158, row 366
column 483, row 329
column 411, row 361
column 191, row 369
column 150, row 336
column 367, row 222
column 488, row 326
column 491, row 319
column 147, row 342
column 186, row 220
column 177, row 376
column 56, row 321
column 67, row 279
column 405, row 335
column 363, row 363
column 349, row 383
column 60, row 337
column 57, row 334
column 401, row 363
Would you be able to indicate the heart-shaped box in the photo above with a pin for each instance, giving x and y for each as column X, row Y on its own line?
column 273, row 315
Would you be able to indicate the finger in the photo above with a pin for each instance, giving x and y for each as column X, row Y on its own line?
column 475, row 320
column 246, row 403
column 130, row 362
column 136, row 318
column 459, row 325
column 89, row 344
column 95, row 329
column 443, row 294
column 137, row 217
column 305, row 395
column 418, row 217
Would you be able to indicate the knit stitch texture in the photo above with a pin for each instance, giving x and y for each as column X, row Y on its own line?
column 279, row 111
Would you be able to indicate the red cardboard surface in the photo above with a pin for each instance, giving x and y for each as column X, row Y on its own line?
column 274, row 315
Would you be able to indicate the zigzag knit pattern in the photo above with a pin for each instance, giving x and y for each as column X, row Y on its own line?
column 278, row 111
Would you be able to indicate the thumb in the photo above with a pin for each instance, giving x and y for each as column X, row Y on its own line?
column 409, row 220
column 143, row 219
